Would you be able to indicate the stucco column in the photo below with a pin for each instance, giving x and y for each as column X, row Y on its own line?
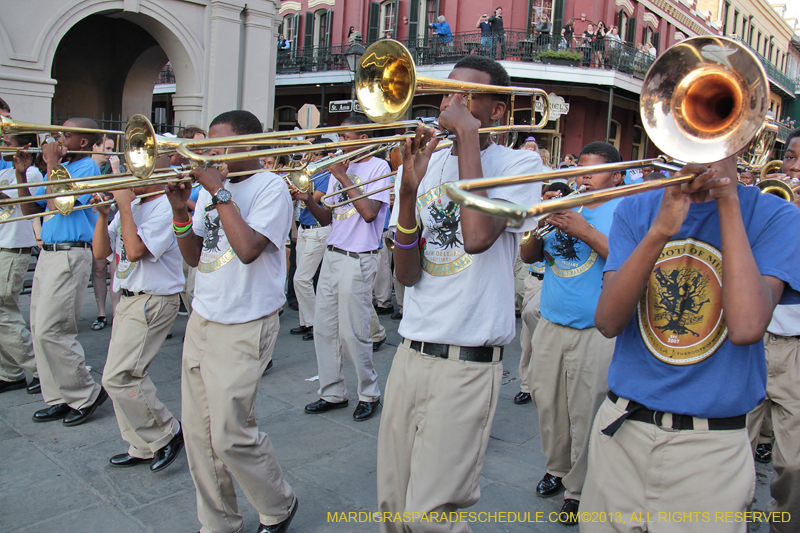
column 30, row 97
column 224, row 61
column 260, row 44
column 188, row 110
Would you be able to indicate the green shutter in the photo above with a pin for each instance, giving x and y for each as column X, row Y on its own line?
column 309, row 36
column 374, row 21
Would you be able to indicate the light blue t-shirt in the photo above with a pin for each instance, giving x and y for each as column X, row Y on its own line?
column 320, row 184
column 675, row 355
column 574, row 272
column 5, row 164
column 78, row 226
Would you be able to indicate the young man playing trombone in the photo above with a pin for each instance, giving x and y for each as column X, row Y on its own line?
column 149, row 279
column 458, row 311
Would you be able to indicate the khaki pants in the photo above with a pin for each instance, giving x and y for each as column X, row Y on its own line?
column 783, row 403
column 310, row 250
column 382, row 287
column 59, row 287
column 434, row 432
column 187, row 295
column 531, row 305
column 520, row 275
column 140, row 328
column 376, row 330
column 343, row 314
column 222, row 367
column 646, row 469
column 16, row 347
column 568, row 377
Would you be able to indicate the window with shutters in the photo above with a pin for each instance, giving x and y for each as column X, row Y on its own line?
column 537, row 8
column 622, row 24
column 289, row 28
column 285, row 118
column 308, row 38
column 630, row 33
column 725, row 9
column 648, row 35
column 322, row 22
column 388, row 19
column 374, row 22
column 736, row 22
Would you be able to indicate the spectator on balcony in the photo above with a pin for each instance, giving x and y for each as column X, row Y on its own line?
column 443, row 31
column 651, row 50
column 486, row 31
column 567, row 32
column 614, row 46
column 498, row 32
column 351, row 35
column 543, row 30
column 599, row 44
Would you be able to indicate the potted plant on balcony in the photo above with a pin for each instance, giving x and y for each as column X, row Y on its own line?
column 560, row 57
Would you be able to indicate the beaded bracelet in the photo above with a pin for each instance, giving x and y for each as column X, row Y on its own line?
column 407, row 246
column 401, row 229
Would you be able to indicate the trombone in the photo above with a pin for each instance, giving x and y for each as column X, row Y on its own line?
column 10, row 127
column 705, row 98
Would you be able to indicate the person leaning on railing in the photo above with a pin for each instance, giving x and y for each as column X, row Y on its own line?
column 543, row 30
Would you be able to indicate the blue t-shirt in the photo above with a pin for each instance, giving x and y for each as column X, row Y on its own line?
column 674, row 355
column 537, row 267
column 320, row 184
column 574, row 272
column 78, row 226
column 5, row 164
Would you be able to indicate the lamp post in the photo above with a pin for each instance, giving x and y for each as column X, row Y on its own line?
column 353, row 57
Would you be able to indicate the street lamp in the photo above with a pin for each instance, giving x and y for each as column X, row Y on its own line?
column 353, row 57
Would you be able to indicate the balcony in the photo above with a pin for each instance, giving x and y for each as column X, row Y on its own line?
column 511, row 46
column 778, row 79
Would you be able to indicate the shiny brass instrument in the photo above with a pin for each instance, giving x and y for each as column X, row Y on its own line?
column 773, row 167
column 542, row 232
column 301, row 178
column 11, row 127
column 705, row 99
column 357, row 186
column 11, row 150
column 784, row 187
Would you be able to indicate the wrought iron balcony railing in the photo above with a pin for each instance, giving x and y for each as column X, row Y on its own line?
column 773, row 72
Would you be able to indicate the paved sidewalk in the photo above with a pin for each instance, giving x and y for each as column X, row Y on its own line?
column 57, row 479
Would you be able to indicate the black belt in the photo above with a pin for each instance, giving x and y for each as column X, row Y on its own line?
column 17, row 250
column 63, row 246
column 126, row 292
column 310, row 226
column 640, row 413
column 354, row 255
column 477, row 354
column 537, row 275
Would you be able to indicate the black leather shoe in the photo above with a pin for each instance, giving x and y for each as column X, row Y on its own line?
column 568, row 515
column 166, row 455
column 309, row 336
column 299, row 330
column 269, row 367
column 124, row 460
column 377, row 345
column 12, row 385
column 364, row 411
column 397, row 316
column 77, row 417
column 384, row 310
column 322, row 406
column 34, row 387
column 281, row 527
column 549, row 486
column 54, row 412
column 763, row 453
column 522, row 397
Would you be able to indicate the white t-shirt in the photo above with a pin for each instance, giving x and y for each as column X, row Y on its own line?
column 226, row 290
column 465, row 299
column 785, row 321
column 161, row 271
column 16, row 234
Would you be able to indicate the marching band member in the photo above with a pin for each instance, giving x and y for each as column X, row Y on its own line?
column 16, row 241
column 149, row 279
column 59, row 288
column 693, row 275
column 444, row 385
column 236, row 240
column 344, row 293
column 782, row 347
column 570, row 357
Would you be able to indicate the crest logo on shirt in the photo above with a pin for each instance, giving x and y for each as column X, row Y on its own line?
column 124, row 267
column 568, row 256
column 346, row 211
column 680, row 313
column 216, row 251
column 443, row 253
column 6, row 211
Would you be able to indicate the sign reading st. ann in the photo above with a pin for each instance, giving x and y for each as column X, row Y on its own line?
column 344, row 106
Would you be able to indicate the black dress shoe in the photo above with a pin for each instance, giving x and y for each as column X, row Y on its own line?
column 54, row 412
column 568, row 515
column 364, row 411
column 77, row 417
column 269, row 367
column 522, row 397
column 549, row 486
column 322, row 406
column 124, row 460
column 293, row 305
column 34, row 387
column 384, row 310
column 281, row 527
column 397, row 316
column 310, row 335
column 166, row 455
column 299, row 330
column 12, row 385
column 763, row 453
column 377, row 345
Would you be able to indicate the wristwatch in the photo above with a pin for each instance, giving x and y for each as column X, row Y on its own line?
column 223, row 196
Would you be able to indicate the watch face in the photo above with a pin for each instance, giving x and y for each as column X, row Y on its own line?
column 223, row 196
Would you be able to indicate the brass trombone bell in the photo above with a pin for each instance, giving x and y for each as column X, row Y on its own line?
column 301, row 178
column 785, row 187
column 772, row 167
column 387, row 81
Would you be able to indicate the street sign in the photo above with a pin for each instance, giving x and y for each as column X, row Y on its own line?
column 308, row 117
column 344, row 106
column 557, row 106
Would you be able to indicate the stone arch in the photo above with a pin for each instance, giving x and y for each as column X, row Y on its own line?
column 137, row 93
